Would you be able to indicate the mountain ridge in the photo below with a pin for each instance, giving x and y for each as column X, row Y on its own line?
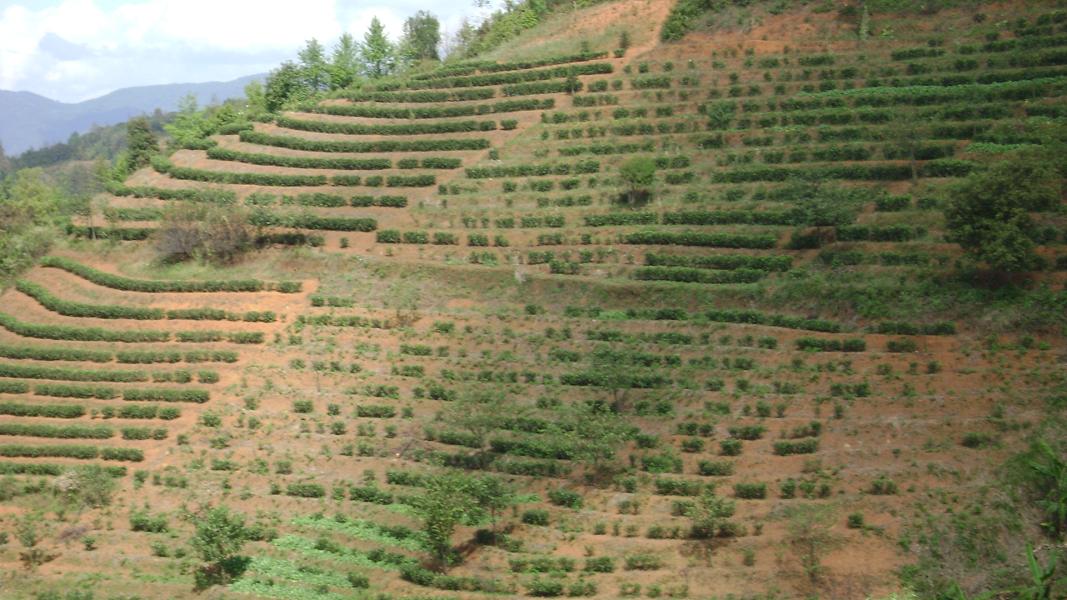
column 29, row 120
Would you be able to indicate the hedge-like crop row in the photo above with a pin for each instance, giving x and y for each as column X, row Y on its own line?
column 162, row 165
column 264, row 218
column 209, row 195
column 380, row 129
column 67, row 390
column 416, row 97
column 581, row 167
column 8, row 468
column 296, row 143
column 756, row 317
column 886, row 233
column 165, row 395
column 690, row 275
column 13, row 387
column 83, row 334
column 54, row 411
column 63, row 374
column 603, row 149
column 128, row 284
column 78, row 309
column 72, row 451
column 301, row 162
column 98, row 334
column 796, row 216
column 518, row 65
column 425, row 180
column 433, row 112
column 821, row 345
column 143, row 411
column 720, row 261
column 173, row 356
column 874, row 172
column 513, row 77
column 624, row 218
column 124, row 234
column 905, row 328
column 698, row 238
column 85, row 432
column 383, row 201
column 557, row 86
column 54, row 353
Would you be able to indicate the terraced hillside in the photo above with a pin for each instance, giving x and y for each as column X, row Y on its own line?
column 740, row 379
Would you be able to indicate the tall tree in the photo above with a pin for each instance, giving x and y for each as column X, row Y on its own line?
column 284, row 85
column 141, row 141
column 422, row 36
column 313, row 64
column 377, row 51
column 446, row 503
column 189, row 125
column 344, row 64
column 989, row 213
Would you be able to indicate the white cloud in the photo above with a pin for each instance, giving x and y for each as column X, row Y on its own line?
column 143, row 42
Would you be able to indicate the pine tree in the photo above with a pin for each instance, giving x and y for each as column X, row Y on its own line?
column 344, row 64
column 141, row 141
column 313, row 64
column 422, row 36
column 377, row 52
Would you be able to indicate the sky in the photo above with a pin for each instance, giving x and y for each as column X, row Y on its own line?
column 73, row 50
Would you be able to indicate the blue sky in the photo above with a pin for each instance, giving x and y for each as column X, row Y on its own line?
column 73, row 50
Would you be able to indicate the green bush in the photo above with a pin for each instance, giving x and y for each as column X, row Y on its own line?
column 296, row 143
column 433, row 112
column 164, row 166
column 750, row 491
column 54, row 353
column 791, row 447
column 84, row 334
column 306, row 162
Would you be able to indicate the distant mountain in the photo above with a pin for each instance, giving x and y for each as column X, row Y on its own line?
column 28, row 120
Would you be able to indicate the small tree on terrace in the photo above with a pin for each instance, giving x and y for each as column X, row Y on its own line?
column 445, row 504
column 810, row 538
column 478, row 412
column 141, row 141
column 988, row 213
column 638, row 174
column 708, row 514
column 220, row 535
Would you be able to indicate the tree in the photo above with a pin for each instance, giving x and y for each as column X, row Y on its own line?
column 492, row 495
column 477, row 412
column 708, row 514
column 595, row 433
column 90, row 486
column 446, row 503
column 638, row 173
column 344, row 64
column 220, row 535
column 377, row 51
column 285, row 84
column 141, row 142
column 190, row 230
column 422, row 36
column 988, row 213
column 189, row 124
column 809, row 537
column 313, row 66
column 255, row 98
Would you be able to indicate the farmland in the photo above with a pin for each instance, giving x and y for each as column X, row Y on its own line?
column 671, row 319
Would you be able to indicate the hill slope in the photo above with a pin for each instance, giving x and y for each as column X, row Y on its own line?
column 755, row 377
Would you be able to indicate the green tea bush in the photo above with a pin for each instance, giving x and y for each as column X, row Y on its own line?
column 297, row 143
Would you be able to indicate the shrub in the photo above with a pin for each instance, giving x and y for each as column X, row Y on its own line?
column 535, row 517
column 750, row 491
column 790, row 447
column 564, row 497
